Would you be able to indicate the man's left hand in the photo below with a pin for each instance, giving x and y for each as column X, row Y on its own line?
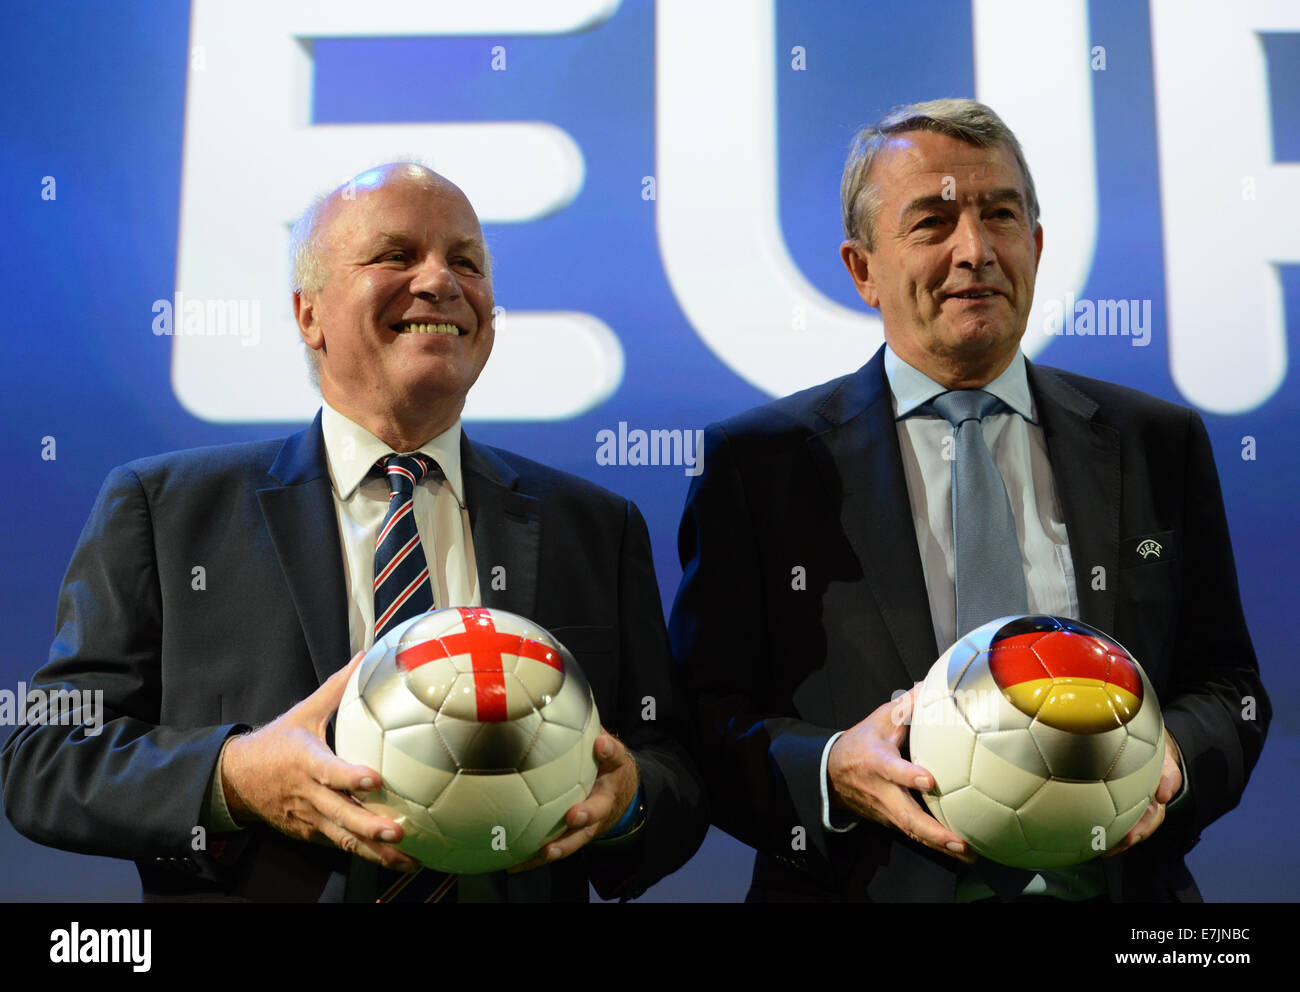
column 615, row 788
column 1171, row 780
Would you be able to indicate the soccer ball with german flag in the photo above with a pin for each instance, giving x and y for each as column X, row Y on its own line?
column 483, row 728
column 1044, row 737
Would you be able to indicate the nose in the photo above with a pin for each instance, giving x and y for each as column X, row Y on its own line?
column 434, row 277
column 972, row 248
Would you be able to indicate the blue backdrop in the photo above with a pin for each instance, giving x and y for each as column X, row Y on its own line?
column 93, row 168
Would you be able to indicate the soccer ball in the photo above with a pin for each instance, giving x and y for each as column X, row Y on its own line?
column 482, row 726
column 1044, row 738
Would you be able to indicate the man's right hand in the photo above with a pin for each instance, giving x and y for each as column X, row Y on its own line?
column 285, row 775
column 869, row 776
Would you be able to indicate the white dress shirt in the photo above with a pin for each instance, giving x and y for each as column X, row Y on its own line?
column 361, row 501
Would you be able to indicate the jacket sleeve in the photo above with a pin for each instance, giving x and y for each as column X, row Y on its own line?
column 108, row 779
column 1218, row 711
column 761, row 762
column 651, row 722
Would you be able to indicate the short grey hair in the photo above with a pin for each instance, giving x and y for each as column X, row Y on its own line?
column 965, row 120
column 307, row 268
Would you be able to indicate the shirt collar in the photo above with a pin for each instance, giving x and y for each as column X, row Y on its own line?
column 352, row 451
column 912, row 388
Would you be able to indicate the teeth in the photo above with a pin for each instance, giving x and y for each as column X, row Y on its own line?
column 430, row 329
column 974, row 296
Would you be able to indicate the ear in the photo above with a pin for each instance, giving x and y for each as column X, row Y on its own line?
column 309, row 329
column 858, row 261
column 1038, row 246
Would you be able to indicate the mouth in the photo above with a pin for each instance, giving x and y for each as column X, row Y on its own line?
column 422, row 327
column 973, row 294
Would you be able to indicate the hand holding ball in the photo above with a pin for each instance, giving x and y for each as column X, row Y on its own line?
column 482, row 726
column 1044, row 737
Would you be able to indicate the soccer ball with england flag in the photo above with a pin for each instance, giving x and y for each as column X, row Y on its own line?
column 482, row 727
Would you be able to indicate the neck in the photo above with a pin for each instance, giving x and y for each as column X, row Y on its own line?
column 402, row 430
column 957, row 372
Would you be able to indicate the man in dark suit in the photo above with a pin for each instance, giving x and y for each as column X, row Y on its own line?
column 821, row 577
column 219, row 590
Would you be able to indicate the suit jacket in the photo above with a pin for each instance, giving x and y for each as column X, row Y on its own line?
column 803, row 608
column 207, row 595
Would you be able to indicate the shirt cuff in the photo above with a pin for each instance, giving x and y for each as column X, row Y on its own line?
column 216, row 816
column 847, row 820
column 1185, row 787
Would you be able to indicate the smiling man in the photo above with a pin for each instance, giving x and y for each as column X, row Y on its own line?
column 393, row 300
column 840, row 539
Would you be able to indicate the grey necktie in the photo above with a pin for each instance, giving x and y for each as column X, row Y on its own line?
column 990, row 578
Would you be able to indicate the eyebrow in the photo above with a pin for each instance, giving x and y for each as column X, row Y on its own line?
column 386, row 239
column 939, row 202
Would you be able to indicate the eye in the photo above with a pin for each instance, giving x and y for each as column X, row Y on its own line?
column 466, row 263
column 932, row 221
column 395, row 255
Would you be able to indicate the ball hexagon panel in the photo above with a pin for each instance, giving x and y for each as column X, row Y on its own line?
column 1003, row 781
column 986, row 823
column 572, row 705
column 420, row 781
column 1077, row 756
column 392, row 702
column 472, row 807
column 1060, row 817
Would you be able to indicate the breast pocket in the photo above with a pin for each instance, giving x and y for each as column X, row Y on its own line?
column 1140, row 550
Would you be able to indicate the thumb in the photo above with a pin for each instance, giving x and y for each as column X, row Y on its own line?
column 609, row 750
column 321, row 704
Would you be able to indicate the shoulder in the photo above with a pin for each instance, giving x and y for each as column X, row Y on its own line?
column 794, row 418
column 541, row 481
column 210, row 460
column 218, row 473
column 1121, row 407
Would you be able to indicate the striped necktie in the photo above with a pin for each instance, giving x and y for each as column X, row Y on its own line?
column 403, row 591
column 402, row 587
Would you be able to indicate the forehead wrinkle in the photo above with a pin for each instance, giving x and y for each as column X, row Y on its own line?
column 933, row 201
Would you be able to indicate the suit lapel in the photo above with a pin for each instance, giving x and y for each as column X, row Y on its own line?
column 300, row 516
column 1085, row 459
column 506, row 529
column 860, row 456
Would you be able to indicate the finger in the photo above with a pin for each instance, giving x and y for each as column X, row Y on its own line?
column 609, row 751
column 569, row 842
column 583, row 820
column 898, row 711
column 384, row 855
column 1151, row 818
column 554, row 850
column 331, row 771
column 903, row 773
column 923, row 828
column 353, row 818
column 593, row 810
column 1171, row 779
